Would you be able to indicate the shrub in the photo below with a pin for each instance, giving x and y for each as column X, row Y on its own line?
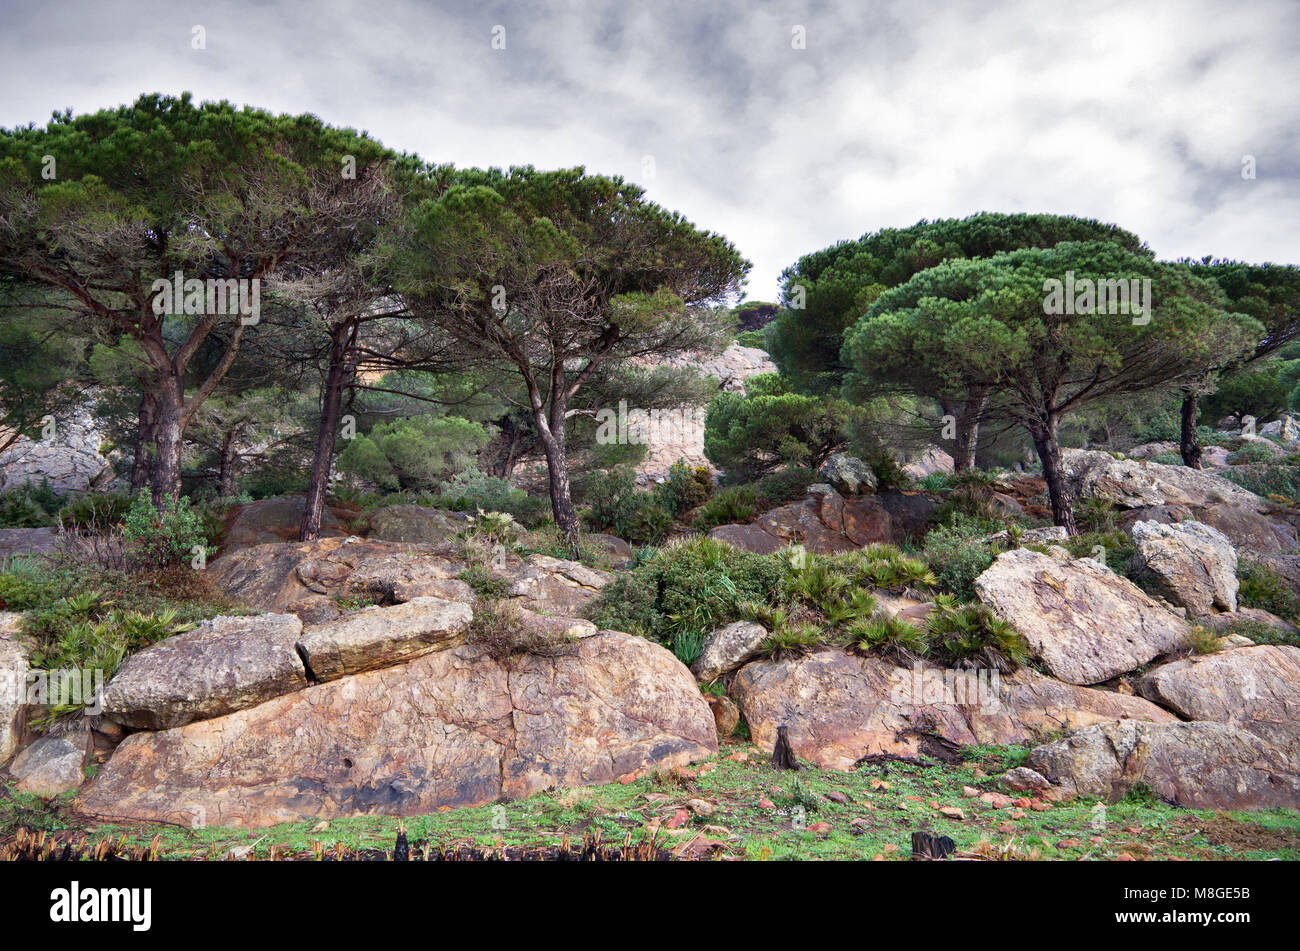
column 736, row 504
column 1277, row 480
column 413, row 452
column 471, row 489
column 162, row 538
column 890, row 636
column 1262, row 633
column 970, row 635
column 958, row 554
column 29, row 506
column 1262, row 587
column 617, row 506
column 792, row 640
column 95, row 512
column 499, row 630
column 686, row 589
column 684, row 488
column 785, row 485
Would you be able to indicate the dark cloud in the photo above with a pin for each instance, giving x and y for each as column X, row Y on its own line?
column 1138, row 114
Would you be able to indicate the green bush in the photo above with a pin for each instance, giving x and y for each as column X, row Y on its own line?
column 1281, row 480
column 685, row 590
column 970, row 635
column 1262, row 633
column 785, row 485
column 29, row 506
column 471, row 489
column 162, row 538
column 729, row 506
column 684, row 488
column 958, row 554
column 615, row 505
column 415, row 452
column 1262, row 587
column 96, row 512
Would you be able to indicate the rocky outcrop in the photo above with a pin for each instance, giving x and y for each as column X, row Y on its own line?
column 13, row 684
column 1191, row 565
column 305, row 578
column 225, row 664
column 840, row 707
column 27, row 541
column 273, row 520
column 52, row 765
column 1255, row 689
column 1248, row 529
column 1084, row 623
column 930, row 462
column 451, row 728
column 416, row 523
column 1200, row 765
column 826, row 522
column 848, row 475
column 69, row 462
column 727, row 648
column 1133, row 484
column 381, row 637
column 1286, row 429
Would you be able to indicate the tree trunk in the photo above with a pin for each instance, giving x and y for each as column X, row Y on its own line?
column 145, row 432
column 229, row 468
column 169, row 436
column 1048, row 447
column 336, row 378
column 552, row 432
column 968, row 431
column 1189, row 445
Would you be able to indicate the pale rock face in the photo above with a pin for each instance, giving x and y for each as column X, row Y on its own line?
column 69, row 462
column 1252, row 688
column 382, row 636
column 840, row 707
column 13, row 679
column 1200, row 765
column 223, row 665
column 932, row 461
column 52, row 765
column 1287, row 429
column 1084, row 622
column 450, row 728
column 1134, row 484
column 1192, row 564
column 727, row 648
column 848, row 475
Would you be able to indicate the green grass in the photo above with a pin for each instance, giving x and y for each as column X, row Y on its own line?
column 889, row 803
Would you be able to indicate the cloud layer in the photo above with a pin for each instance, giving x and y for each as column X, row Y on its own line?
column 1136, row 113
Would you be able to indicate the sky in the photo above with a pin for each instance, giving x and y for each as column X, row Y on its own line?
column 784, row 126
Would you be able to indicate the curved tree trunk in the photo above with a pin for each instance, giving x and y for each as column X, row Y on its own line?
column 169, row 437
column 336, row 378
column 1047, row 444
column 1189, row 446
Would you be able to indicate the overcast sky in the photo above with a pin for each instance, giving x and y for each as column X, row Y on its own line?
column 1131, row 112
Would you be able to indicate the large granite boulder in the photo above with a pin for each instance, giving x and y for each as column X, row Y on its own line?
column 28, row 541
column 1133, row 484
column 1255, row 689
column 13, row 684
column 1200, row 765
column 727, row 648
column 1248, row 529
column 848, row 475
column 416, row 523
column 931, row 461
column 840, row 707
column 549, row 585
column 272, row 520
column 451, row 728
column 52, row 765
column 1286, row 429
column 826, row 522
column 223, row 665
column 382, row 636
column 1191, row 564
column 1085, row 623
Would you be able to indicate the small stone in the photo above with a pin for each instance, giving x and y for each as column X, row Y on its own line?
column 820, row 828
column 766, row 804
column 678, row 819
column 699, row 807
column 1068, row 844
column 970, row 792
column 1124, row 857
column 952, row 812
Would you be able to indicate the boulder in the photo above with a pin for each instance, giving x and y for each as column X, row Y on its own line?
column 826, row 522
column 1215, row 457
column 727, row 648
column 13, row 684
column 1133, row 484
column 1255, row 689
column 1254, row 449
column 27, row 541
column 223, row 665
column 1248, row 529
column 416, row 523
column 848, row 475
column 840, row 707
column 272, row 520
column 1149, row 450
column 1226, row 620
column 1085, row 623
column 451, row 728
column 1191, row 564
column 1286, row 429
column 933, row 460
column 1200, row 765
column 612, row 548
column 549, row 585
column 382, row 636
column 52, row 765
